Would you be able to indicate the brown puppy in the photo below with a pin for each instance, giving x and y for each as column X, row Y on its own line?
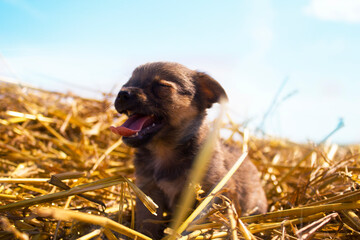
column 166, row 104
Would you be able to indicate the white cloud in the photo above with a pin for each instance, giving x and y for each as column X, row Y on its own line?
column 335, row 10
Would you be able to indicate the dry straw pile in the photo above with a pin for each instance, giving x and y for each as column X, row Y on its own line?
column 65, row 176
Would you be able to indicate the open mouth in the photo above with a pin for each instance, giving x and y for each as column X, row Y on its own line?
column 137, row 126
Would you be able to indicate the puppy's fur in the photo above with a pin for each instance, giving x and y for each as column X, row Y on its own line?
column 167, row 105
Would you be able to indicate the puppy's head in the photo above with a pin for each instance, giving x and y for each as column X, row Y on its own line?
column 162, row 97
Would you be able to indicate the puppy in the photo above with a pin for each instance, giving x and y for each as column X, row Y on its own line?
column 166, row 104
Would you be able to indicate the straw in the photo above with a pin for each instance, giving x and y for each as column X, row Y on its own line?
column 56, row 150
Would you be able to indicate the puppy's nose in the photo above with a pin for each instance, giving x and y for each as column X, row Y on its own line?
column 123, row 101
column 123, row 96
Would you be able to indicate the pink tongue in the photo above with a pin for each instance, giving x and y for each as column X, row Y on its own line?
column 133, row 125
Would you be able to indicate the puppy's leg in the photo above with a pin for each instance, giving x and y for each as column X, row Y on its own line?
column 146, row 222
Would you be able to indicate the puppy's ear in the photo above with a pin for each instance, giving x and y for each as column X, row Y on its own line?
column 208, row 90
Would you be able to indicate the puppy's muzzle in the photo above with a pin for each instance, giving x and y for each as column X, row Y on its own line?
column 123, row 96
column 142, row 124
column 125, row 101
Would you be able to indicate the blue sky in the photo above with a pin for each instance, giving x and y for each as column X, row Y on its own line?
column 250, row 47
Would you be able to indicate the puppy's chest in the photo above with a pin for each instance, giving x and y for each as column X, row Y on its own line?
column 172, row 189
column 169, row 172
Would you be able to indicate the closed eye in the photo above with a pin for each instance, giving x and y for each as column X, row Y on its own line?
column 164, row 83
column 163, row 88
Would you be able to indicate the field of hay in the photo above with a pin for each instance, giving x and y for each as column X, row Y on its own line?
column 64, row 175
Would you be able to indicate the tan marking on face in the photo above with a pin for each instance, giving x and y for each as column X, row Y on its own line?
column 165, row 89
column 183, row 112
column 168, row 83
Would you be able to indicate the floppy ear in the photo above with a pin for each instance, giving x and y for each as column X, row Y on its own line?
column 209, row 90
